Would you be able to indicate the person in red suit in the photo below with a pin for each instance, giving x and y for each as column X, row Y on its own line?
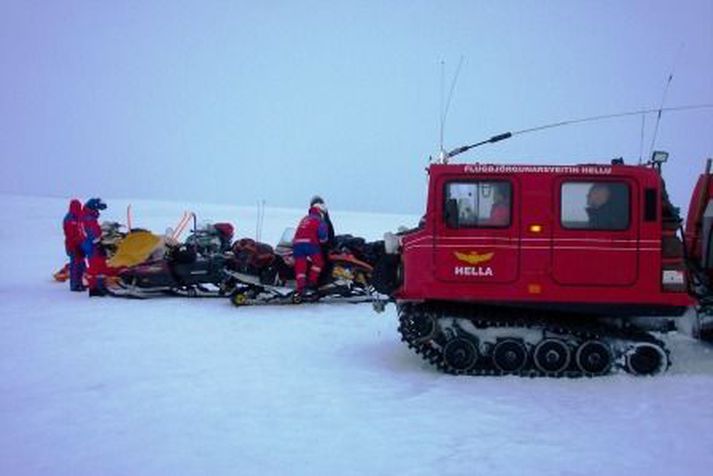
column 312, row 232
column 96, row 273
column 500, row 211
column 73, row 238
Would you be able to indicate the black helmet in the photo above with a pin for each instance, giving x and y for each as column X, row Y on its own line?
column 316, row 199
column 95, row 204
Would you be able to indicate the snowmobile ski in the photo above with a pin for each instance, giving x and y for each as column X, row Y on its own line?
column 250, row 291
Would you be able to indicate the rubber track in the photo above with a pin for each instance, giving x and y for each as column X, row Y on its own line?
column 484, row 367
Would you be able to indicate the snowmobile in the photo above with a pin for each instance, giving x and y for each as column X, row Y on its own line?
column 585, row 271
column 150, row 266
column 182, row 272
column 264, row 275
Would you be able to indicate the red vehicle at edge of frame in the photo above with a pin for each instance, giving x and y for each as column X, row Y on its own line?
column 587, row 262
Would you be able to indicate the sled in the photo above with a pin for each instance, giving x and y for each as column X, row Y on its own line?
column 62, row 275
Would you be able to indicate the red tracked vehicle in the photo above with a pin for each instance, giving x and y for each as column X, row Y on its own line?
column 548, row 270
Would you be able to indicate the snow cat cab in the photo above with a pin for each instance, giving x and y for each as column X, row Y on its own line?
column 546, row 270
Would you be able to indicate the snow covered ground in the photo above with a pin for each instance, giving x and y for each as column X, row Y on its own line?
column 107, row 386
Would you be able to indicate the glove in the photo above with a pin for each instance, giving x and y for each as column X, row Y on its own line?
column 87, row 246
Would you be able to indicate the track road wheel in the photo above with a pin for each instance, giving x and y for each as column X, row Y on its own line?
column 420, row 327
column 646, row 359
column 552, row 356
column 460, row 354
column 509, row 355
column 297, row 298
column 239, row 299
column 593, row 357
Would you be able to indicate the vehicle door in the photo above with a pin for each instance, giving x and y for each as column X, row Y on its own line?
column 595, row 238
column 477, row 231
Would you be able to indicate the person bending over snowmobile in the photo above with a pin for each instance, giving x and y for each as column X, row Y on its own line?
column 73, row 238
column 96, row 273
column 312, row 232
column 328, row 221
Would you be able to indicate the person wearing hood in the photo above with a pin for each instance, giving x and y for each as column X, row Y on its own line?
column 607, row 206
column 327, row 220
column 96, row 273
column 312, row 233
column 73, row 238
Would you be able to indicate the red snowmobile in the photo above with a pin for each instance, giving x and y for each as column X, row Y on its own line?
column 263, row 275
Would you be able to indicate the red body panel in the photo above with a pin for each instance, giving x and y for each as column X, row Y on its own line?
column 702, row 194
column 538, row 258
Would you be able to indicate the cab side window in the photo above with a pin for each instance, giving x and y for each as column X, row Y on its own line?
column 478, row 204
column 595, row 205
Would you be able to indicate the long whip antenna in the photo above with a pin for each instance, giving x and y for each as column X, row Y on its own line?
column 444, row 109
column 663, row 98
column 440, row 140
column 507, row 135
column 641, row 138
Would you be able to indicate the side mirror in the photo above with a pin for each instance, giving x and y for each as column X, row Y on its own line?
column 451, row 213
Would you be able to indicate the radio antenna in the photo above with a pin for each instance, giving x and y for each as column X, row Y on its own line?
column 641, row 138
column 663, row 98
column 440, row 141
column 443, row 156
column 507, row 135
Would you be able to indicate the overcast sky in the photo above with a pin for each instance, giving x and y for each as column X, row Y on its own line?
column 235, row 102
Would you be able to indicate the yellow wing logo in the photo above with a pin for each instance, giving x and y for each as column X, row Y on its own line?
column 474, row 257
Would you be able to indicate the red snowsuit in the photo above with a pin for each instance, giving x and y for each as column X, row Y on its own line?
column 97, row 270
column 499, row 214
column 73, row 238
column 311, row 234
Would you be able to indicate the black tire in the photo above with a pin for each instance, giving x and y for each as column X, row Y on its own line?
column 460, row 354
column 594, row 357
column 646, row 359
column 420, row 327
column 509, row 355
column 552, row 356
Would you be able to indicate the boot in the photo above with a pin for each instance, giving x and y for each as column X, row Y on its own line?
column 97, row 292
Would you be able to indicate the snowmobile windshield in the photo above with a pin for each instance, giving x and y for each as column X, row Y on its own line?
column 286, row 239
